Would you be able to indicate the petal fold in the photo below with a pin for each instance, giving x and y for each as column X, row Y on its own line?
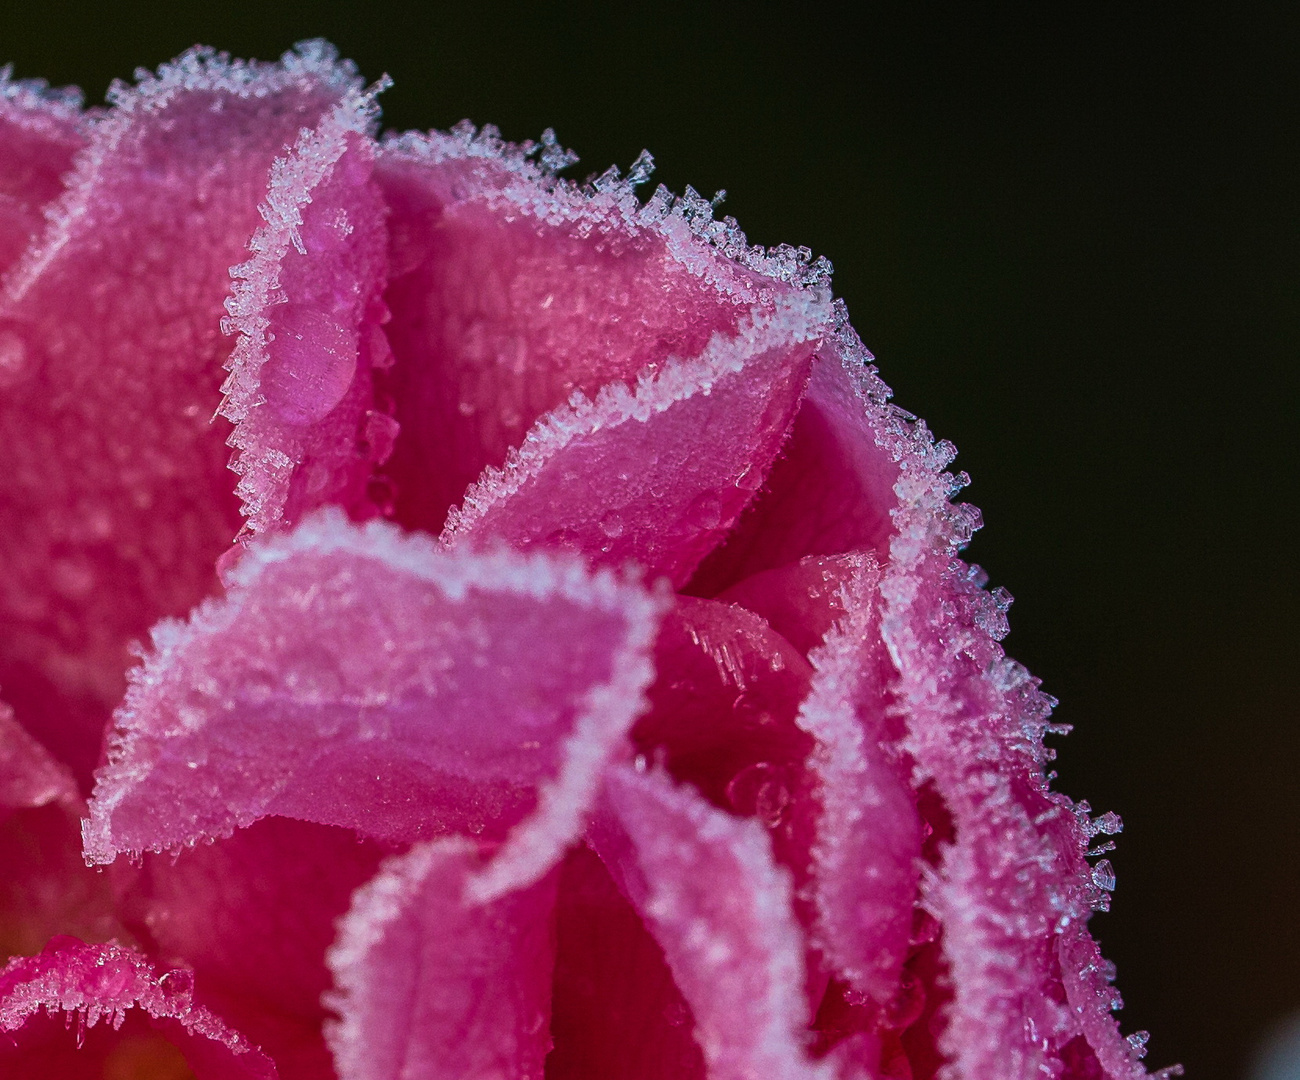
column 431, row 982
column 307, row 309
column 354, row 676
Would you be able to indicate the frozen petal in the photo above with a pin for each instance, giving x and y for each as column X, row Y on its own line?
column 114, row 479
column 707, row 887
column 616, row 1012
column 660, row 473
column 511, row 290
column 100, row 1010
column 433, row 983
column 253, row 916
column 1012, row 879
column 307, row 308
column 357, row 677
column 40, row 131
column 801, row 601
column 868, row 849
column 830, row 492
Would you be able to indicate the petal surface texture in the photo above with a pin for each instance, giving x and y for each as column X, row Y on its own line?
column 114, row 479
column 307, row 308
column 713, row 897
column 91, row 1011
column 360, row 678
column 431, row 983
column 659, row 473
column 512, row 289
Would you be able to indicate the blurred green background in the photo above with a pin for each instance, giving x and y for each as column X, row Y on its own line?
column 1069, row 234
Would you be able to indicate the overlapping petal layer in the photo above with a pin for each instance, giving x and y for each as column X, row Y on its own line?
column 308, row 311
column 114, row 480
column 709, row 890
column 356, row 677
column 88, row 1011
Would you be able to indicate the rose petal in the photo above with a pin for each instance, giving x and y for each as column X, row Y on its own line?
column 1012, row 880
column 659, row 474
column 40, row 130
column 801, row 601
column 253, row 915
column 868, row 849
column 308, row 311
column 512, row 289
column 615, row 1012
column 432, row 983
column 707, row 887
column 356, row 677
column 117, row 496
column 118, row 1018
column 830, row 492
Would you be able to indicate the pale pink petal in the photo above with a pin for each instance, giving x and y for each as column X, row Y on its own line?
column 253, row 916
column 707, row 887
column 40, row 130
column 118, row 500
column 616, row 1012
column 434, row 984
column 307, row 308
column 511, row 290
column 830, row 492
column 866, row 859
column 100, row 1010
column 660, row 473
column 355, row 676
column 1010, row 882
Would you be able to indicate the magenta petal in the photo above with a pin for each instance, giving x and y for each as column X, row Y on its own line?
column 830, row 492
column 99, row 1010
column 431, row 983
column 707, row 887
column 659, row 474
column 29, row 776
column 512, row 289
column 118, row 500
column 866, row 859
column 1013, row 884
column 616, row 1012
column 308, row 310
column 353, row 676
column 40, row 130
column 253, row 916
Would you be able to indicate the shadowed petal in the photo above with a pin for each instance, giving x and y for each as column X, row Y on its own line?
column 98, row 1010
column 117, row 496
column 434, row 984
column 356, row 677
column 708, row 889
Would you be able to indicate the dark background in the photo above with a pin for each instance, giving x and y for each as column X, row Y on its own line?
column 1069, row 234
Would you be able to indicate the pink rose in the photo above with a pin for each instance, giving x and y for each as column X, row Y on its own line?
column 594, row 690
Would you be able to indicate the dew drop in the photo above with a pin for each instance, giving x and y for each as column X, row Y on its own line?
column 612, row 525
